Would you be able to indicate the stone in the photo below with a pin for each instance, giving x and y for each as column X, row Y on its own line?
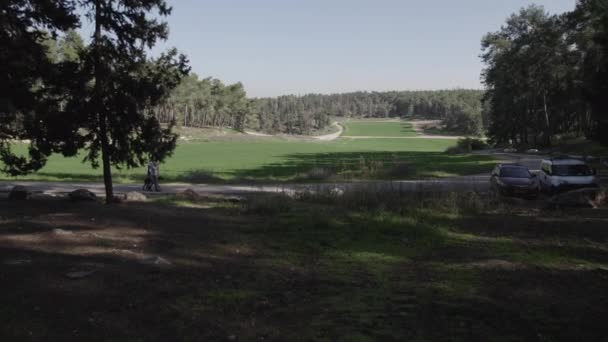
column 234, row 199
column 134, row 196
column 118, row 199
column 188, row 194
column 16, row 262
column 155, row 260
column 79, row 274
column 82, row 195
column 337, row 192
column 19, row 193
column 83, row 270
column 58, row 231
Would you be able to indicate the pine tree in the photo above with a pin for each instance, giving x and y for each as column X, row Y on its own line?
column 126, row 83
column 100, row 98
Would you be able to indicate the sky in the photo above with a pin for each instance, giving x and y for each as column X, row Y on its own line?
column 277, row 47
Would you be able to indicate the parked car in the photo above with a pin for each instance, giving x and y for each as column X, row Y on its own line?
column 565, row 174
column 514, row 180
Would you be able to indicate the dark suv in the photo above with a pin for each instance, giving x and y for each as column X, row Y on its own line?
column 514, row 180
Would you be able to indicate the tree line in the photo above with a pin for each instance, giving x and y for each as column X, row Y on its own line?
column 547, row 75
column 208, row 102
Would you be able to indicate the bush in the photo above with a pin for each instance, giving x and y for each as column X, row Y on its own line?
column 268, row 204
column 467, row 145
column 375, row 197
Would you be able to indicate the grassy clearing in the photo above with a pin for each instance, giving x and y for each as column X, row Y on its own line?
column 277, row 160
column 378, row 129
column 362, row 266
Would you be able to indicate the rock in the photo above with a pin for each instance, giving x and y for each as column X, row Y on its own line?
column 336, row 192
column 134, row 196
column 82, row 195
column 18, row 193
column 234, row 199
column 83, row 270
column 588, row 197
column 79, row 274
column 155, row 260
column 118, row 199
column 533, row 150
column 58, row 231
column 188, row 194
column 16, row 262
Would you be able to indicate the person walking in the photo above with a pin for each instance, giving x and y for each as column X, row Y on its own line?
column 154, row 173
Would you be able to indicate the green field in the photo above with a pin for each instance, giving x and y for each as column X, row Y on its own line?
column 275, row 159
column 378, row 129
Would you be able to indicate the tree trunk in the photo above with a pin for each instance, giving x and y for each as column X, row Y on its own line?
column 547, row 123
column 101, row 114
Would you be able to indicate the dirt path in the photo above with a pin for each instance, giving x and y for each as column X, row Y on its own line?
column 258, row 134
column 326, row 137
column 446, row 137
column 332, row 136
column 453, row 184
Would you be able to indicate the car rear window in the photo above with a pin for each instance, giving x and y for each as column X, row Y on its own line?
column 514, row 172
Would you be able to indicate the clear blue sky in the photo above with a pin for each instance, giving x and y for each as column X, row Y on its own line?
column 294, row 47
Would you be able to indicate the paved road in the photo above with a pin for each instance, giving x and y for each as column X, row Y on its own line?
column 453, row 184
column 457, row 184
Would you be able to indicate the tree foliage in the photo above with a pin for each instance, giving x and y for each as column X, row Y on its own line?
column 25, row 66
column 101, row 95
column 208, row 102
column 546, row 75
column 205, row 102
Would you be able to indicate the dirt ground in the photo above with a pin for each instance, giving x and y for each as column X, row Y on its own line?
column 212, row 270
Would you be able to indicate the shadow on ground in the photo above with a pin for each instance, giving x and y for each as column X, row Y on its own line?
column 299, row 271
column 303, row 167
column 368, row 165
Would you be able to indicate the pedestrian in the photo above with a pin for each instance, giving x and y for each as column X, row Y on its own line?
column 153, row 174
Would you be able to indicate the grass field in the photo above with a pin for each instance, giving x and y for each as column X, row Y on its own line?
column 362, row 267
column 237, row 158
column 378, row 129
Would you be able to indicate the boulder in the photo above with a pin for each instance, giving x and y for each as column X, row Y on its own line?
column 58, row 231
column 155, row 261
column 80, row 274
column 588, row 197
column 336, row 192
column 82, row 195
column 134, row 196
column 18, row 193
column 188, row 194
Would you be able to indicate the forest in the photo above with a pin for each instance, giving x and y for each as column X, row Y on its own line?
column 547, row 76
column 208, row 102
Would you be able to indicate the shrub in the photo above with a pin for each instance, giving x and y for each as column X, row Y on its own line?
column 391, row 199
column 467, row 145
column 268, row 204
